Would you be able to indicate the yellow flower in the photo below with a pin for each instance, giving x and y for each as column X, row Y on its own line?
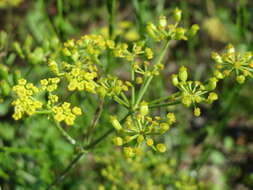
column 161, row 147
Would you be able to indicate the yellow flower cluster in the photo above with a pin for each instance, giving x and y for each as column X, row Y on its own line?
column 82, row 78
column 163, row 30
column 77, row 64
column 231, row 61
column 65, row 113
column 122, row 50
column 25, row 103
column 139, row 128
column 194, row 92
column 145, row 69
column 111, row 86
column 49, row 84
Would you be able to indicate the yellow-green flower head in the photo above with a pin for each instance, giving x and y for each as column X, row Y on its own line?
column 231, row 61
column 111, row 86
column 144, row 108
column 197, row 112
column 50, row 84
column 171, row 118
column 162, row 22
column 118, row 141
column 78, row 62
column 194, row 92
column 163, row 31
column 183, row 75
column 65, row 113
column 115, row 123
column 24, row 102
column 177, row 14
column 161, row 147
column 138, row 130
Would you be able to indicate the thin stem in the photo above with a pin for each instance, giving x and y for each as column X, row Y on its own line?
column 172, row 96
column 165, row 104
column 59, row 9
column 124, row 97
column 143, row 90
column 149, row 79
column 65, row 134
column 44, row 112
column 111, row 7
column 73, row 163
column 132, row 88
column 95, row 120
column 120, row 101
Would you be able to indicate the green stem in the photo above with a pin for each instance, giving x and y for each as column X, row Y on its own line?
column 146, row 84
column 120, row 101
column 172, row 96
column 132, row 88
column 143, row 91
column 73, row 163
column 44, row 112
column 124, row 97
column 139, row 11
column 165, row 104
column 66, row 170
column 65, row 134
column 111, row 7
column 95, row 120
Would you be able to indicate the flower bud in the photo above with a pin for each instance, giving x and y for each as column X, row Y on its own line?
column 139, row 80
column 216, row 57
column 186, row 101
column 183, row 75
column 177, row 14
column 212, row 83
column 218, row 74
column 240, row 79
column 180, row 34
column 140, row 139
column 144, row 108
column 118, row 141
column 161, row 147
column 212, row 97
column 164, row 127
column 115, row 123
column 197, row 112
column 152, row 30
column 171, row 118
column 162, row 22
column 174, row 79
column 149, row 142
column 230, row 49
column 193, row 30
column 128, row 151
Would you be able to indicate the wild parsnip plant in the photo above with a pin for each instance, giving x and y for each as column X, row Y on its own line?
column 80, row 68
